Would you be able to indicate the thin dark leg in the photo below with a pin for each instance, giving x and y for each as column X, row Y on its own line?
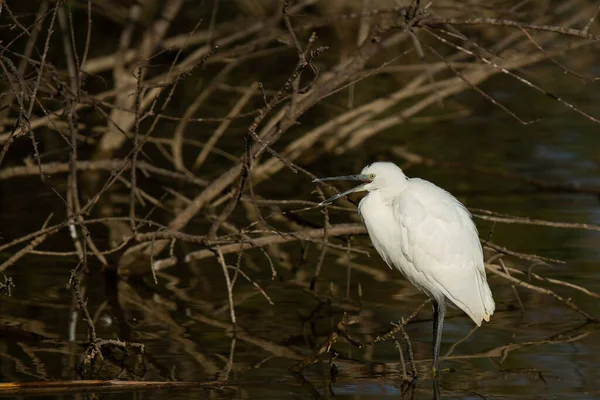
column 439, row 312
column 436, row 389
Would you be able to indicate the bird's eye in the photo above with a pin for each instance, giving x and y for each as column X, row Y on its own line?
column 371, row 176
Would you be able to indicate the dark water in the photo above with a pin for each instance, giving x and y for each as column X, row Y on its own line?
column 547, row 351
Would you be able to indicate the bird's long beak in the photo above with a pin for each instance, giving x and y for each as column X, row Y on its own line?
column 364, row 178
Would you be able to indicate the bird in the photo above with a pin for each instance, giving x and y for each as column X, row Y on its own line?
column 427, row 234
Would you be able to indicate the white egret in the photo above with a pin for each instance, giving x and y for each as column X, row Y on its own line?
column 428, row 235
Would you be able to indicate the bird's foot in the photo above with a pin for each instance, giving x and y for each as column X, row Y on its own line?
column 436, row 372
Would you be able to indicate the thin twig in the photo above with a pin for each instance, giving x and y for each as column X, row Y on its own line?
column 497, row 269
column 221, row 259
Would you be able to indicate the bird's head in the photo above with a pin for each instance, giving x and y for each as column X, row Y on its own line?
column 379, row 175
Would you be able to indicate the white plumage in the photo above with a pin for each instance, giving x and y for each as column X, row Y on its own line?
column 428, row 235
column 432, row 240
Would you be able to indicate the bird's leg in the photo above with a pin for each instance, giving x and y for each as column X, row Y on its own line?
column 439, row 312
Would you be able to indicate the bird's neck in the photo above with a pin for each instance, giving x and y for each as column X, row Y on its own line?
column 388, row 194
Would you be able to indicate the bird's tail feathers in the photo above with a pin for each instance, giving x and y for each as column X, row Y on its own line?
column 487, row 306
column 488, row 301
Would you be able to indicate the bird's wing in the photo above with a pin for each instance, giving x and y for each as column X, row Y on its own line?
column 440, row 239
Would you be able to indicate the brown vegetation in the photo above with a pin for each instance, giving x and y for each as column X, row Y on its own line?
column 163, row 132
